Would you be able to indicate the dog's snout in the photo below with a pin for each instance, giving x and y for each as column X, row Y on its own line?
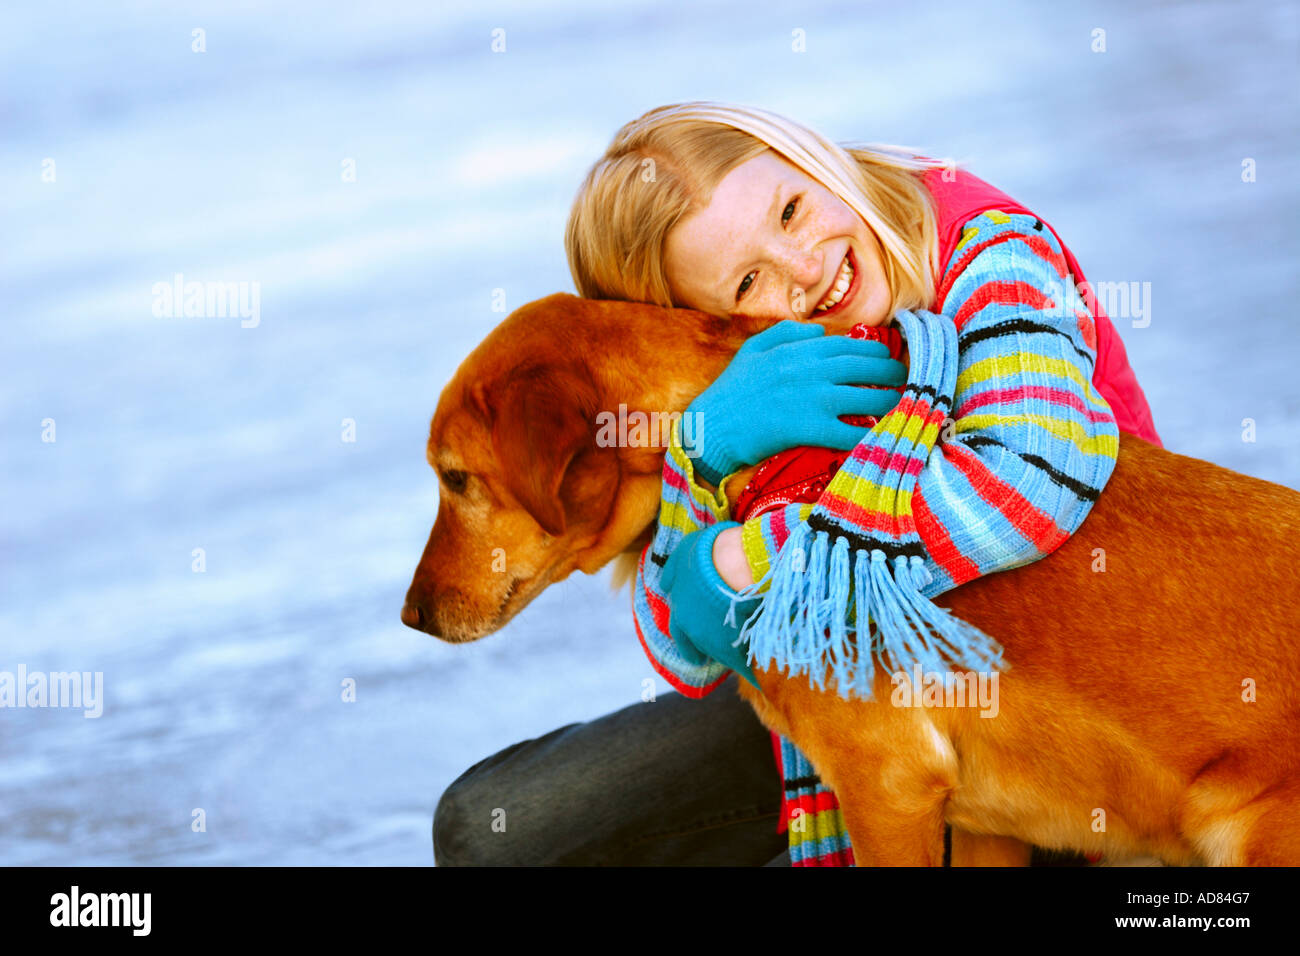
column 412, row 616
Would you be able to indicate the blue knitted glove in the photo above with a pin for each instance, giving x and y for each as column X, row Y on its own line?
column 698, row 602
column 786, row 387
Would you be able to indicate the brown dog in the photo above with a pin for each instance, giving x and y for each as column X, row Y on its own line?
column 1151, row 703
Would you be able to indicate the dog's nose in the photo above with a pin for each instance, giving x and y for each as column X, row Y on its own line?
column 412, row 617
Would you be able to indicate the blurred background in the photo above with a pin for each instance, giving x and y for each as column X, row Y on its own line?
column 127, row 157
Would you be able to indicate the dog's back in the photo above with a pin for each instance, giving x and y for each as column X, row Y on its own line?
column 1152, row 698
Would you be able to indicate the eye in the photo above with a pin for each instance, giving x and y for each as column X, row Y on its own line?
column 788, row 213
column 455, row 481
column 745, row 283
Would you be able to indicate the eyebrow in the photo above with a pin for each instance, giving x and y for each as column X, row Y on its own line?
column 776, row 199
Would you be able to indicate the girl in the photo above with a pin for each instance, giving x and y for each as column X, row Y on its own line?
column 737, row 211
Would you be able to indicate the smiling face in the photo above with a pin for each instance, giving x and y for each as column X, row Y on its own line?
column 773, row 242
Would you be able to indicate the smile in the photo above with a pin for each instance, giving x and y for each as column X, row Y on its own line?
column 843, row 289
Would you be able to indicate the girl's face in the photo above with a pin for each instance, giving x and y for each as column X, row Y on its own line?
column 773, row 242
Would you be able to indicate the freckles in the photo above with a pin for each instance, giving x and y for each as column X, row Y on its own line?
column 776, row 304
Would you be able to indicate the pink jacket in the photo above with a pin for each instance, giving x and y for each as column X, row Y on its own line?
column 961, row 200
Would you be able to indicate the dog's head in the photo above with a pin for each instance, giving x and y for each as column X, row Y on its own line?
column 529, row 490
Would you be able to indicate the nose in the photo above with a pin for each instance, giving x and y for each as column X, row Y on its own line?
column 412, row 617
column 804, row 266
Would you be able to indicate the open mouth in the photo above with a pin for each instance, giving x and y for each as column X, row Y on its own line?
column 842, row 290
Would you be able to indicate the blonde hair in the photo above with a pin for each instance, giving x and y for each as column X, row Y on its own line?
column 663, row 167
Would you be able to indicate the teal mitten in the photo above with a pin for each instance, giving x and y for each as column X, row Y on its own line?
column 698, row 603
column 786, row 387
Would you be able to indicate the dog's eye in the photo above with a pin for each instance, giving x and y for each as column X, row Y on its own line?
column 455, row 481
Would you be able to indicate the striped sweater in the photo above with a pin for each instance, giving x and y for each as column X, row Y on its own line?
column 1029, row 446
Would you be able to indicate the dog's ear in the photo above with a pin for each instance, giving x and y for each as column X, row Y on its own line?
column 542, row 418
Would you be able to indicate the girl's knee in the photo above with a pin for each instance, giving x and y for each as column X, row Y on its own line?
column 462, row 827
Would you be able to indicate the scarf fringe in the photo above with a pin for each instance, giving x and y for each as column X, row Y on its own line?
column 801, row 626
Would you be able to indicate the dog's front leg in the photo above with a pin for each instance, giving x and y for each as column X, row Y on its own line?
column 891, row 769
column 888, row 827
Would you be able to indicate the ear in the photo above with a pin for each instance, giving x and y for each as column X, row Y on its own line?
column 543, row 417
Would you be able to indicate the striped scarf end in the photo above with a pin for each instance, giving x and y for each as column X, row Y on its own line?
column 803, row 625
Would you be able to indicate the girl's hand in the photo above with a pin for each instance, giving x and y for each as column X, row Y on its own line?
column 785, row 387
column 699, row 601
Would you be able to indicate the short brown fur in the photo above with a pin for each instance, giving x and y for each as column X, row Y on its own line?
column 1125, row 696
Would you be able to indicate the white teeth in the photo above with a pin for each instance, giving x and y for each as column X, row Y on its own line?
column 842, row 283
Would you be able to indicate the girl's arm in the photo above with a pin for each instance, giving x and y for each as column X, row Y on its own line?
column 1031, row 443
column 686, row 504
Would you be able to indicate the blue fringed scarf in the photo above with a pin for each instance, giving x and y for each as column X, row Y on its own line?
column 858, row 557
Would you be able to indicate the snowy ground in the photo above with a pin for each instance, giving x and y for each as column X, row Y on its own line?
column 223, row 688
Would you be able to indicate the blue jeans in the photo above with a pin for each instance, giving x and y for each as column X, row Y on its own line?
column 677, row 782
column 670, row 782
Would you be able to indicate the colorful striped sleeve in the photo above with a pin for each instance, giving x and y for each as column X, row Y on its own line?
column 1031, row 443
column 684, row 506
